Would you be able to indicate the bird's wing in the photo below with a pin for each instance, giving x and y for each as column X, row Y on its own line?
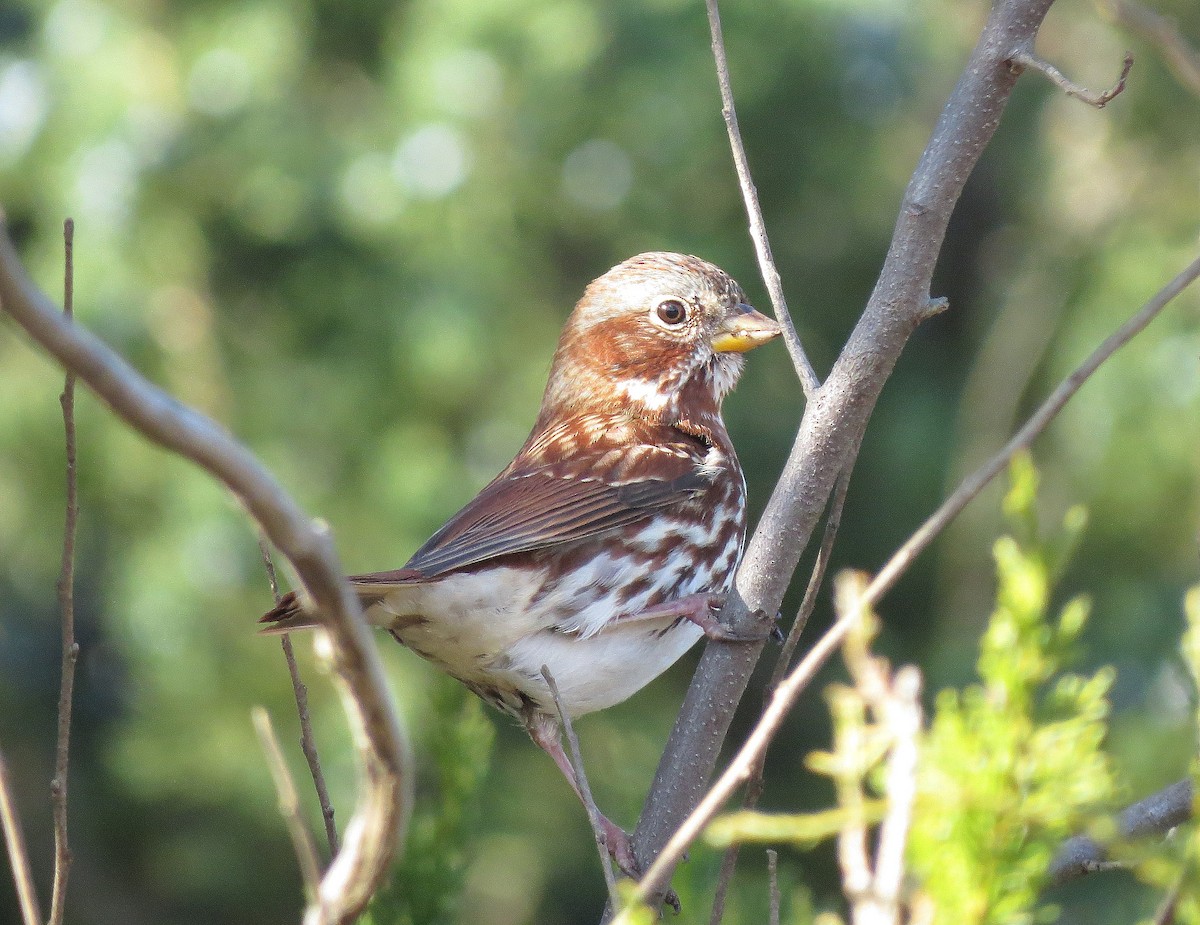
column 524, row 511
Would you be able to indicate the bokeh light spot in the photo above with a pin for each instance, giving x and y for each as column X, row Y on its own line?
column 597, row 175
column 433, row 161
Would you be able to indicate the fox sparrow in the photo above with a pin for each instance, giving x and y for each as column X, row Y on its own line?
column 604, row 548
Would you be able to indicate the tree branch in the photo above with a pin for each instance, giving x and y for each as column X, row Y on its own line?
column 1154, row 816
column 308, row 742
column 834, row 421
column 758, row 228
column 385, row 796
column 66, row 607
column 1027, row 58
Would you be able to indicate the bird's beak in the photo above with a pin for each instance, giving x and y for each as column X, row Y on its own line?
column 744, row 329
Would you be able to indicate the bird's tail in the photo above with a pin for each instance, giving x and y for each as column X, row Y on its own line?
column 290, row 614
column 286, row 616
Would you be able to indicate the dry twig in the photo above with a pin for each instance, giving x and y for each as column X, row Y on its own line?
column 14, row 841
column 308, row 742
column 385, row 794
column 758, row 228
column 66, row 607
column 1025, row 58
column 289, row 802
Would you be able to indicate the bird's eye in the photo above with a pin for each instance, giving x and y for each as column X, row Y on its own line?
column 672, row 312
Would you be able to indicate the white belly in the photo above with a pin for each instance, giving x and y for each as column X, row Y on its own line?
column 495, row 629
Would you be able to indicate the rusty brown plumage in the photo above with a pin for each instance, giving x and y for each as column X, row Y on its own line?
column 601, row 548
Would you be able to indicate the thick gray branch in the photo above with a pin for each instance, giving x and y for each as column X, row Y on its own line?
column 1154, row 816
column 835, row 420
column 385, row 797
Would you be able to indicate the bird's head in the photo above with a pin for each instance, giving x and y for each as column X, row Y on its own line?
column 661, row 334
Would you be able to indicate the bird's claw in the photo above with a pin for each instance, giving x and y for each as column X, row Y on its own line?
column 620, row 847
column 763, row 627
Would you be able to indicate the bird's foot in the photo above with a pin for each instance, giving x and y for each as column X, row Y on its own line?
column 702, row 610
column 620, row 846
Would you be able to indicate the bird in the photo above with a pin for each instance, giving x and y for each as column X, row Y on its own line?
column 603, row 551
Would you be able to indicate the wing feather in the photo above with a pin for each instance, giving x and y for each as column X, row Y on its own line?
column 524, row 511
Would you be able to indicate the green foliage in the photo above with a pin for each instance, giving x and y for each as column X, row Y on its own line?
column 428, row 880
column 1013, row 764
column 1172, row 866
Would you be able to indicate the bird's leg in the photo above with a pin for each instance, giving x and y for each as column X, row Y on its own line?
column 701, row 609
column 544, row 731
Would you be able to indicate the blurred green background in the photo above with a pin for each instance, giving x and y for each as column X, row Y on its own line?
column 350, row 232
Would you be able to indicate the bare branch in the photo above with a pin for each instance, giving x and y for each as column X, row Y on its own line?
column 758, row 228
column 289, row 802
column 1154, row 816
column 585, row 790
column 66, row 607
column 834, row 421
column 1162, row 32
column 971, row 486
column 385, row 796
column 14, row 841
column 1026, row 58
column 308, row 743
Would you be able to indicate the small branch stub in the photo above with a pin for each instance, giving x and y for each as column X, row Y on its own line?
column 1027, row 59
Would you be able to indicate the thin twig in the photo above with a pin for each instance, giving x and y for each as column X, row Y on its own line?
column 758, row 229
column 66, row 607
column 289, row 802
column 308, row 742
column 585, row 791
column 385, row 793
column 973, row 484
column 772, row 886
column 1164, row 33
column 14, row 841
column 754, row 786
column 1026, row 58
